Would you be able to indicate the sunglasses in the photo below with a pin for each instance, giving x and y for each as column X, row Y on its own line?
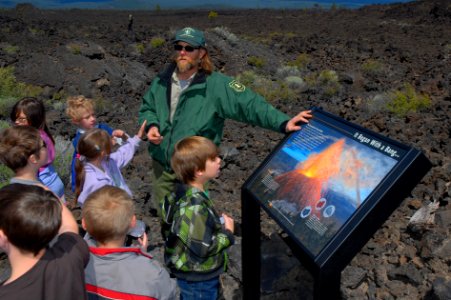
column 187, row 48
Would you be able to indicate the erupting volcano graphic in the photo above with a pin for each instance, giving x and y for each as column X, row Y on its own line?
column 319, row 178
column 307, row 182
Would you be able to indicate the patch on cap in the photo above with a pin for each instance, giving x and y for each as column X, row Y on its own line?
column 192, row 36
column 237, row 86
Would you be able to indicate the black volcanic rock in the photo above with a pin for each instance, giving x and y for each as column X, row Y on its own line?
column 70, row 52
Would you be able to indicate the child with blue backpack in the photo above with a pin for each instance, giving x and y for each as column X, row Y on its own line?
column 81, row 112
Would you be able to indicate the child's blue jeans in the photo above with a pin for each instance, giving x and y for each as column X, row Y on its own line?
column 195, row 290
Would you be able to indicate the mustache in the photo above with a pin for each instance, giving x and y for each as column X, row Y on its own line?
column 176, row 58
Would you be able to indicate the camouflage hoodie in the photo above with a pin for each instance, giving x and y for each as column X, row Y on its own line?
column 195, row 248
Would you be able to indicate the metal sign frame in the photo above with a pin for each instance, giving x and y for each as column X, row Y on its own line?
column 330, row 186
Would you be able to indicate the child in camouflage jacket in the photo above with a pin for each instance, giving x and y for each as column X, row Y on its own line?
column 195, row 248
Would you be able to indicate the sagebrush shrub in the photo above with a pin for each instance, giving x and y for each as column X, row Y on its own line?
column 74, row 48
column 372, row 67
column 256, row 61
column 286, row 71
column 11, row 90
column 225, row 33
column 301, row 61
column 10, row 49
column 212, row 15
column 157, row 42
column 140, row 47
column 63, row 158
column 5, row 175
column 295, row 82
column 407, row 100
column 326, row 82
column 269, row 89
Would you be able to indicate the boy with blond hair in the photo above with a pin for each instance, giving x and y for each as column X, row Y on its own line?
column 81, row 112
column 115, row 271
column 195, row 247
column 31, row 217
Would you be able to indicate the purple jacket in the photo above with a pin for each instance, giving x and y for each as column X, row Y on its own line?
column 95, row 178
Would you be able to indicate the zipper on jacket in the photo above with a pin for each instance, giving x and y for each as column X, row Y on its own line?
column 193, row 82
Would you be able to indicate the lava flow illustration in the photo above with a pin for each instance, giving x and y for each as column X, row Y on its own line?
column 305, row 185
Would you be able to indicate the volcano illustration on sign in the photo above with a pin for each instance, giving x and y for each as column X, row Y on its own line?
column 319, row 178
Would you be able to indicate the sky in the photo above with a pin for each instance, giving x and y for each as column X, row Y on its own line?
column 164, row 4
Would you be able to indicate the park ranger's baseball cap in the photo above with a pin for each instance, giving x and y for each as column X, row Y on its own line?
column 192, row 36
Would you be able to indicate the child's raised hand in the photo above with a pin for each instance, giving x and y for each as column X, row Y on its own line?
column 117, row 136
column 118, row 133
column 142, row 130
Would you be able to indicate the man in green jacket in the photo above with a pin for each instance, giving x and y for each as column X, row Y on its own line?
column 188, row 98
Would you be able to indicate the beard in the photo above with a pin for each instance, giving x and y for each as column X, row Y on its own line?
column 186, row 65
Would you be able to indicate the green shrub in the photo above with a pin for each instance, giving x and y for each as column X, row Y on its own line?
column 225, row 33
column 11, row 90
column 328, row 77
column 74, row 48
column 5, row 175
column 6, row 103
column 4, row 124
column 212, row 15
column 5, row 172
column 294, row 82
column 10, row 49
column 407, row 100
column 247, row 78
column 275, row 34
column 8, row 82
column 59, row 96
column 140, row 47
column 269, row 89
column 326, row 82
column 35, row 31
column 372, row 67
column 301, row 61
column 58, row 101
column 256, row 61
column 157, row 42
column 157, row 8
column 273, row 90
column 287, row 71
column 63, row 158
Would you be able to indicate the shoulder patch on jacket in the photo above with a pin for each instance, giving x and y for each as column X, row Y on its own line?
column 237, row 86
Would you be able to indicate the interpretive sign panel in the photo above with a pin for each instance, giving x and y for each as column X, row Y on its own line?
column 330, row 186
column 314, row 183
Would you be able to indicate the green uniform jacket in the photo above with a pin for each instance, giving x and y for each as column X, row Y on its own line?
column 202, row 110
